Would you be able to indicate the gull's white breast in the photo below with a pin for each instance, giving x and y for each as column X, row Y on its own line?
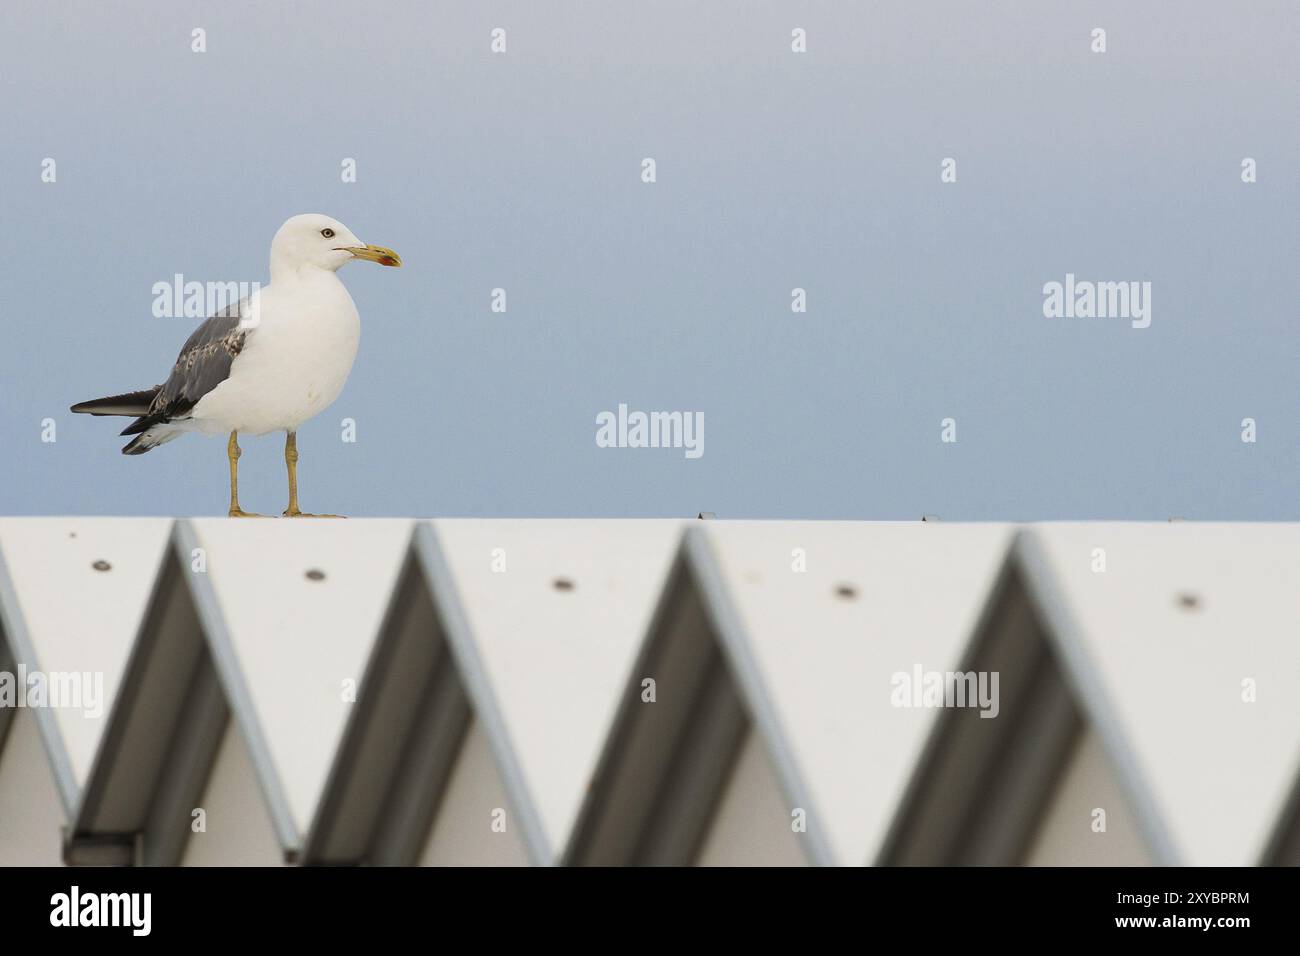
column 295, row 361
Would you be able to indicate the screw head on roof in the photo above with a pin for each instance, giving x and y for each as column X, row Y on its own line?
column 846, row 592
column 1189, row 601
column 102, row 565
column 562, row 584
column 315, row 574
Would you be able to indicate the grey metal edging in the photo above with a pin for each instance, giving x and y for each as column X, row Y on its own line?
column 966, row 658
column 110, row 740
column 478, row 687
column 726, row 624
column 238, row 698
column 344, row 755
column 14, row 627
column 1081, row 673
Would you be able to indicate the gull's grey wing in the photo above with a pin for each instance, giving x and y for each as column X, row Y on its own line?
column 203, row 363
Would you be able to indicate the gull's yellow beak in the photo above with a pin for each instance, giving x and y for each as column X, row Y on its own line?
column 385, row 257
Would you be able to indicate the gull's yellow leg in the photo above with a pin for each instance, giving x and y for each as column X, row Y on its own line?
column 233, row 453
column 291, row 462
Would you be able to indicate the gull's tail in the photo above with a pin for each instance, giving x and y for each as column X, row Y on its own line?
column 137, row 405
column 130, row 403
column 150, row 438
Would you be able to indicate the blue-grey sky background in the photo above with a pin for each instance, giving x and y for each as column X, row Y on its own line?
column 775, row 170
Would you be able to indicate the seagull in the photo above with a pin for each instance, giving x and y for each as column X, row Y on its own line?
column 269, row 363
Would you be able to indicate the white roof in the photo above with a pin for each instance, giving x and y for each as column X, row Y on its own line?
column 912, row 593
column 80, row 588
column 1156, row 647
column 557, row 610
column 301, row 603
column 1162, row 642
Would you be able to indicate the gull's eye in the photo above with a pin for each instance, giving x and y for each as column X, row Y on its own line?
column 327, row 233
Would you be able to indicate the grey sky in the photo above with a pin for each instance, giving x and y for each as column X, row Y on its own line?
column 775, row 170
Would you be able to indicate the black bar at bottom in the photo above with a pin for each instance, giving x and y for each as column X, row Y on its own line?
column 335, row 905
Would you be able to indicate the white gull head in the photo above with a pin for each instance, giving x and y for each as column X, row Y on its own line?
column 316, row 242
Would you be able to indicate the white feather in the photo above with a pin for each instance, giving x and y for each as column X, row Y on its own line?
column 294, row 363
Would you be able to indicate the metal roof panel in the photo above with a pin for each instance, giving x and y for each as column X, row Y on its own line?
column 1183, row 614
column 557, row 609
column 302, row 602
column 80, row 587
column 875, row 599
